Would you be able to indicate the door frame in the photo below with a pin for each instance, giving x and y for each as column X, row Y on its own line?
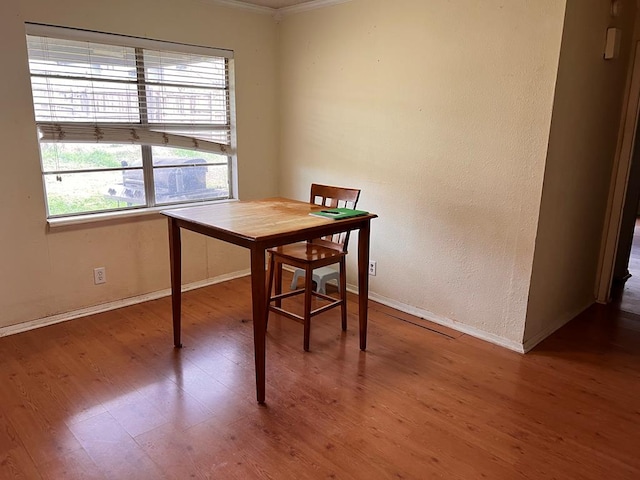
column 619, row 184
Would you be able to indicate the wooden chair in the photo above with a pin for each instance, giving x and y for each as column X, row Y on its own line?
column 311, row 255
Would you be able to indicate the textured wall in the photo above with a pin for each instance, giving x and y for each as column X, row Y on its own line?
column 440, row 112
column 46, row 272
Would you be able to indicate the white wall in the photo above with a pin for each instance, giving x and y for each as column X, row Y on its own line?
column 46, row 272
column 440, row 111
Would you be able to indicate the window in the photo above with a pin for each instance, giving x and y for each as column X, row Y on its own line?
column 127, row 123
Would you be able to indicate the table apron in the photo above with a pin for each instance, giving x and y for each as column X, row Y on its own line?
column 268, row 242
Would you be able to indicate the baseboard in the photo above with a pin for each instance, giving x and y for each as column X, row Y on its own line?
column 562, row 321
column 411, row 310
column 445, row 322
column 432, row 317
column 104, row 307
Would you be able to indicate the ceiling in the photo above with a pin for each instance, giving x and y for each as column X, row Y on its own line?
column 276, row 3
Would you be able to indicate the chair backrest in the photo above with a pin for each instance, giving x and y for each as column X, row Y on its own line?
column 334, row 197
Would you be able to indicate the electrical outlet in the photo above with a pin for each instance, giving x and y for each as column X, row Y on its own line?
column 372, row 267
column 99, row 275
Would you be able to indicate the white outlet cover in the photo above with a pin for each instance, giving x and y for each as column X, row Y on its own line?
column 99, row 275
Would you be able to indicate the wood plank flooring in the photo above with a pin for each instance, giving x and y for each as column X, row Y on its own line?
column 107, row 397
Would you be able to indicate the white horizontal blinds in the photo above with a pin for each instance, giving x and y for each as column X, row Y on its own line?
column 96, row 92
column 190, row 90
column 82, row 82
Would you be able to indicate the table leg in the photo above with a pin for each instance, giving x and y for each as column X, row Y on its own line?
column 363, row 282
column 176, row 278
column 258, row 297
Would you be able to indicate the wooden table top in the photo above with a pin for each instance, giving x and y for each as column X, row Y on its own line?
column 259, row 220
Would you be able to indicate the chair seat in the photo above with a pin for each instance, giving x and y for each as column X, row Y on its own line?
column 299, row 254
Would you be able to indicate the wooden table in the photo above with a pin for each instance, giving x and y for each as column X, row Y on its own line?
column 258, row 225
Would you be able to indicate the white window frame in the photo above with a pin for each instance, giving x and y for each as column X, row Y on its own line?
column 48, row 131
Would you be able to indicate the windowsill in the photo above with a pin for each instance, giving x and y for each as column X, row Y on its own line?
column 123, row 214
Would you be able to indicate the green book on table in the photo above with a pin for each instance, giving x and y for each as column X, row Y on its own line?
column 338, row 213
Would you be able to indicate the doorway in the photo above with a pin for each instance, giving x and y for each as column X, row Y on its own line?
column 623, row 210
column 625, row 292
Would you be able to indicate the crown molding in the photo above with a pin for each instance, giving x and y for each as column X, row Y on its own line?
column 242, row 6
column 276, row 12
column 305, row 7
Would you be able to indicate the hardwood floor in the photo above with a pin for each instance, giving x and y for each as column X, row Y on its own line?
column 107, row 396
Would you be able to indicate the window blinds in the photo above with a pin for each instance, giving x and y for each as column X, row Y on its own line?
column 104, row 91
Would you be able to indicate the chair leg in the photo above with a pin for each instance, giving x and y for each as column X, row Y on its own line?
column 308, row 289
column 269, row 286
column 296, row 276
column 278, row 291
column 342, row 287
column 321, row 286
